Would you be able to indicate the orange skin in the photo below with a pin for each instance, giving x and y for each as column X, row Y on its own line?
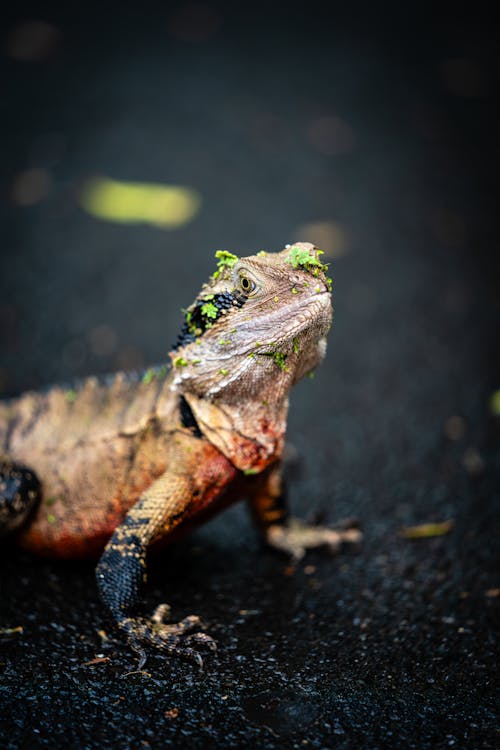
column 90, row 486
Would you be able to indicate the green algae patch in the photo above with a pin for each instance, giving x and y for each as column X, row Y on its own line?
column 209, row 310
column 71, row 396
column 225, row 260
column 180, row 362
column 299, row 257
column 280, row 359
column 192, row 327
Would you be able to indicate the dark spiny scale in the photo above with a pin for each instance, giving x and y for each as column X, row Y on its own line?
column 103, row 379
column 226, row 300
column 187, row 418
column 184, row 337
column 198, row 321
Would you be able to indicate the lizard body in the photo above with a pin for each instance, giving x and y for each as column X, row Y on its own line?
column 119, row 465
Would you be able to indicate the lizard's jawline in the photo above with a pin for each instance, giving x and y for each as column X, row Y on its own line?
column 317, row 308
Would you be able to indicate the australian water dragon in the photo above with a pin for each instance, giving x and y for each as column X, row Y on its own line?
column 114, row 466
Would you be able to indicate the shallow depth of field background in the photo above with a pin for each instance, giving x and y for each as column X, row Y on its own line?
column 136, row 143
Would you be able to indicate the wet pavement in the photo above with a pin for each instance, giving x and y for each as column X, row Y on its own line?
column 374, row 138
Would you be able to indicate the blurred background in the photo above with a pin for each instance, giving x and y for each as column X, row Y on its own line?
column 369, row 133
column 136, row 143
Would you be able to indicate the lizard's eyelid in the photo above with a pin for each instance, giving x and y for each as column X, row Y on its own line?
column 245, row 281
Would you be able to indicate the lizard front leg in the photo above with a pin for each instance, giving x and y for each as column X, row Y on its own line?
column 121, row 572
column 288, row 534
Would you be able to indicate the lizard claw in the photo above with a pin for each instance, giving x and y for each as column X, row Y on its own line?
column 174, row 638
column 195, row 657
column 141, row 653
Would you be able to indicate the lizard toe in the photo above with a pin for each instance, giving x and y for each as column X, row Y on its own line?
column 179, row 639
column 162, row 613
column 202, row 640
column 296, row 537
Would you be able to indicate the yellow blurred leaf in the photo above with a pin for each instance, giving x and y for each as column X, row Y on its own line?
column 12, row 631
column 427, row 530
column 164, row 206
column 495, row 403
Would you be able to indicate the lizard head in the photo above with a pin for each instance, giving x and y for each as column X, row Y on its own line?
column 257, row 326
column 259, row 323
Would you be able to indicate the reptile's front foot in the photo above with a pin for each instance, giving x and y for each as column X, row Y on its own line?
column 295, row 537
column 180, row 639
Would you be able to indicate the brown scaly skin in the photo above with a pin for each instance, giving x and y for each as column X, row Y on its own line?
column 132, row 462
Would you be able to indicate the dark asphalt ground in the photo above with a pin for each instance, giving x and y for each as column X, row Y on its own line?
column 388, row 646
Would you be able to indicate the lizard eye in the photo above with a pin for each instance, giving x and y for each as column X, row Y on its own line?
column 247, row 285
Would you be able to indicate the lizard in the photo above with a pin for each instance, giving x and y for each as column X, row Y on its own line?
column 118, row 465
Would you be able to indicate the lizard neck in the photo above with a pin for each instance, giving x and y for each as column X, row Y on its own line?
column 251, row 434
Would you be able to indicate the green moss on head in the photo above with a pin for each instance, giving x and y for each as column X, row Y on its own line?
column 180, row 362
column 295, row 345
column 193, row 329
column 209, row 310
column 225, row 260
column 300, row 257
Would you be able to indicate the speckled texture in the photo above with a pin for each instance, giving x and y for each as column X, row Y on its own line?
column 389, row 646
